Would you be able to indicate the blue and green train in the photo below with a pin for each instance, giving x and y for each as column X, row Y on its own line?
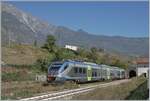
column 80, row 71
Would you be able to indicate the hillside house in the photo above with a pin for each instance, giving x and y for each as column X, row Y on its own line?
column 74, row 48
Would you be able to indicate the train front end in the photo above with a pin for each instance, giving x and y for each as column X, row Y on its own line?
column 54, row 71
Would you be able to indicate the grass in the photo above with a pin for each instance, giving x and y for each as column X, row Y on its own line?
column 10, row 73
column 22, row 54
column 18, row 90
column 6, row 77
column 140, row 93
column 118, row 92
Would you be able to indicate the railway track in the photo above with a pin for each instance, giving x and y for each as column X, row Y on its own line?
column 63, row 94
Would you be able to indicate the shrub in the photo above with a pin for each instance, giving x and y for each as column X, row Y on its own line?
column 50, row 44
column 65, row 54
column 42, row 64
column 16, row 76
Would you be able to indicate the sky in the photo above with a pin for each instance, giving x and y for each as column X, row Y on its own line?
column 128, row 19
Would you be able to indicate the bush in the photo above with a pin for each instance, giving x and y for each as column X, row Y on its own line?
column 65, row 54
column 16, row 76
column 140, row 93
column 50, row 44
column 42, row 64
column 20, row 66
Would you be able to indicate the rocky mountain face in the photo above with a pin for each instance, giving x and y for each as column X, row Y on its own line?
column 21, row 27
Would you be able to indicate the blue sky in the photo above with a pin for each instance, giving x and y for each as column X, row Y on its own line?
column 101, row 18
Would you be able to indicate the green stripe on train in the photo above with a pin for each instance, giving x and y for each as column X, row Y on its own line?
column 89, row 73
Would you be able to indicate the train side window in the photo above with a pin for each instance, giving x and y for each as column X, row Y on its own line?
column 80, row 70
column 122, row 73
column 76, row 70
column 118, row 73
column 84, row 70
column 92, row 74
column 95, row 74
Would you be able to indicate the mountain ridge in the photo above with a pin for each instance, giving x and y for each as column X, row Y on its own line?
column 21, row 27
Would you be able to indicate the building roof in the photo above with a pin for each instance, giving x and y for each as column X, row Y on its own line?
column 141, row 61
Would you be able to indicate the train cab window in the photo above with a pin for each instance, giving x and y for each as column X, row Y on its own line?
column 65, row 67
column 80, row 70
column 76, row 70
column 83, row 70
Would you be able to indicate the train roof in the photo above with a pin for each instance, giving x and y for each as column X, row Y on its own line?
column 85, row 63
column 117, row 68
column 105, row 65
column 111, row 67
column 94, row 65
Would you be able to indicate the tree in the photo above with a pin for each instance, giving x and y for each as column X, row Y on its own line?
column 119, row 63
column 82, row 53
column 93, row 54
column 50, row 44
column 92, row 57
column 94, row 50
column 63, row 53
column 42, row 64
column 101, row 50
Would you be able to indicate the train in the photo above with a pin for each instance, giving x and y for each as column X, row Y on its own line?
column 80, row 71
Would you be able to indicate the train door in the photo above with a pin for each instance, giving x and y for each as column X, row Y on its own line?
column 108, row 73
column 89, row 73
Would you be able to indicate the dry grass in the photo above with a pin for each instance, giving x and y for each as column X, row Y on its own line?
column 118, row 92
column 22, row 54
column 17, row 74
column 140, row 93
column 18, row 90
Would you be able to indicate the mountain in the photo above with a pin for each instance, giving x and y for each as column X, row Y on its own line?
column 21, row 27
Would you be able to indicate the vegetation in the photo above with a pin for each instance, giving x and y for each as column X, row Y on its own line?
column 17, row 76
column 42, row 64
column 19, row 73
column 22, row 54
column 134, row 89
column 36, row 60
column 18, row 90
column 41, row 57
column 140, row 92
column 92, row 55
column 63, row 53
column 50, row 44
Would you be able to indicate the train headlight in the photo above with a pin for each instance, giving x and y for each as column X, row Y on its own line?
column 59, row 75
